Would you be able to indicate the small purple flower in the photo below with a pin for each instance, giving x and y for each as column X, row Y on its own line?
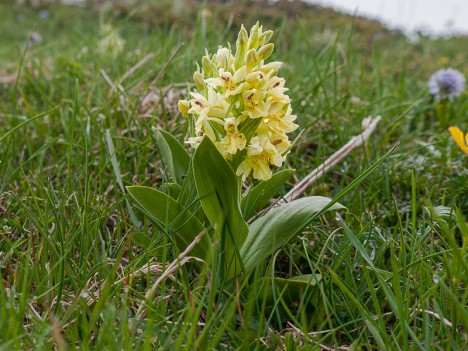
column 34, row 37
column 446, row 84
column 44, row 14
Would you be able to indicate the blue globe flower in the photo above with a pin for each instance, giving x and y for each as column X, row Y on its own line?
column 446, row 84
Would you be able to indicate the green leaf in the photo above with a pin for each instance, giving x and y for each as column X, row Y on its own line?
column 19, row 126
column 219, row 192
column 272, row 288
column 173, row 154
column 272, row 231
column 172, row 189
column 188, row 191
column 168, row 214
column 249, row 127
column 118, row 175
column 259, row 196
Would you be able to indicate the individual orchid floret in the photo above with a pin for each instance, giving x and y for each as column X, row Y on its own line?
column 446, row 84
column 258, row 165
column 279, row 120
column 261, row 154
column 256, row 104
column 230, row 84
column 234, row 140
column 262, row 145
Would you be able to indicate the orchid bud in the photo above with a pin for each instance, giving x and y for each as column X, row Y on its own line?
column 266, row 36
column 252, row 59
column 265, row 51
column 198, row 79
column 253, row 40
column 271, row 66
column 241, row 47
column 206, row 64
column 183, row 106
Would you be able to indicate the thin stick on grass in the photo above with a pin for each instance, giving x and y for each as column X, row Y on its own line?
column 178, row 262
column 369, row 125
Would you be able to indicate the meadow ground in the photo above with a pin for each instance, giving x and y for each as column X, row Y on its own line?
column 75, row 128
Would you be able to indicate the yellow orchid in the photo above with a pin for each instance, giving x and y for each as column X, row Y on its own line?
column 224, row 58
column 209, row 111
column 277, row 90
column 261, row 154
column 272, row 67
column 257, row 79
column 461, row 141
column 281, row 121
column 255, row 103
column 233, row 88
column 234, row 140
column 258, row 164
column 195, row 141
column 231, row 83
column 262, row 145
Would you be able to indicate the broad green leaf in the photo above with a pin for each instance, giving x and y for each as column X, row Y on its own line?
column 188, row 192
column 219, row 193
column 168, row 214
column 173, row 154
column 172, row 189
column 272, row 231
column 259, row 196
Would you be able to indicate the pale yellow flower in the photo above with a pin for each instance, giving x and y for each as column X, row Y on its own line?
column 277, row 90
column 224, row 58
column 281, row 121
column 232, row 90
column 255, row 103
column 234, row 140
column 231, row 84
column 211, row 110
column 257, row 80
column 262, row 145
column 272, row 67
column 258, row 164
column 261, row 154
column 195, row 141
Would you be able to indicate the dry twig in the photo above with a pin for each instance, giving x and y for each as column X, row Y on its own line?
column 369, row 124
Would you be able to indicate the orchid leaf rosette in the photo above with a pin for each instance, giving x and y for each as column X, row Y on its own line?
column 240, row 117
column 240, row 103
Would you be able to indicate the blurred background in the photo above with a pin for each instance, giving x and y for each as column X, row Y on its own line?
column 77, row 36
column 431, row 17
